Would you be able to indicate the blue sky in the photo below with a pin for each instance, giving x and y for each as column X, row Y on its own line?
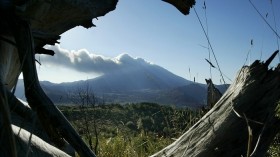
column 158, row 33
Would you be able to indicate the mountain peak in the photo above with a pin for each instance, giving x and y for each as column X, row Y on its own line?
column 125, row 58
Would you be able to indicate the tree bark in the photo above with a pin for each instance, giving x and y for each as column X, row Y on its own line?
column 248, row 104
column 7, row 140
column 53, row 121
column 30, row 145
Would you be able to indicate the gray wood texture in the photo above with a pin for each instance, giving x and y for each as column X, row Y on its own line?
column 248, row 104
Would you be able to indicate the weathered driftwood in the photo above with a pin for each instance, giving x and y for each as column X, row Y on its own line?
column 248, row 104
column 53, row 121
column 46, row 20
column 9, row 71
column 35, row 147
column 213, row 94
column 182, row 5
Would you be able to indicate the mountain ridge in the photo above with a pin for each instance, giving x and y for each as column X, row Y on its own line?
column 141, row 83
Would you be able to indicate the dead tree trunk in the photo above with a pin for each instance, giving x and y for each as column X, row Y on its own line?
column 53, row 121
column 248, row 104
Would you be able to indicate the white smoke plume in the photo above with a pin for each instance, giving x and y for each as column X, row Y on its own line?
column 84, row 61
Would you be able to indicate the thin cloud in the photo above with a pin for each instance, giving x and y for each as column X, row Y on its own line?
column 84, row 61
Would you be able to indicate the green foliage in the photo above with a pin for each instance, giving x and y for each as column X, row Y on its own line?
column 127, row 146
column 278, row 110
column 139, row 129
column 274, row 150
column 133, row 129
column 131, row 125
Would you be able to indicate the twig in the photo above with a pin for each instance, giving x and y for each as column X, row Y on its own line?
column 250, row 136
column 8, row 41
column 259, row 139
column 208, row 40
column 30, row 137
column 38, row 62
column 269, row 60
column 207, row 32
column 211, row 65
column 250, row 120
column 275, row 24
column 249, row 52
column 264, row 19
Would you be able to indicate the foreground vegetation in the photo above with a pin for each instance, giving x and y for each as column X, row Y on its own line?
column 134, row 129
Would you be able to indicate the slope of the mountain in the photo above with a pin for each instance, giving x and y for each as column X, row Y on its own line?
column 190, row 95
column 144, row 77
column 134, row 80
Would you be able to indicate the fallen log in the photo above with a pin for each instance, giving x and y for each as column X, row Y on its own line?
column 52, row 120
column 37, row 147
column 242, row 123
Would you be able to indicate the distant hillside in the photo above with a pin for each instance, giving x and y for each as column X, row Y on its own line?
column 151, row 77
column 142, row 83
